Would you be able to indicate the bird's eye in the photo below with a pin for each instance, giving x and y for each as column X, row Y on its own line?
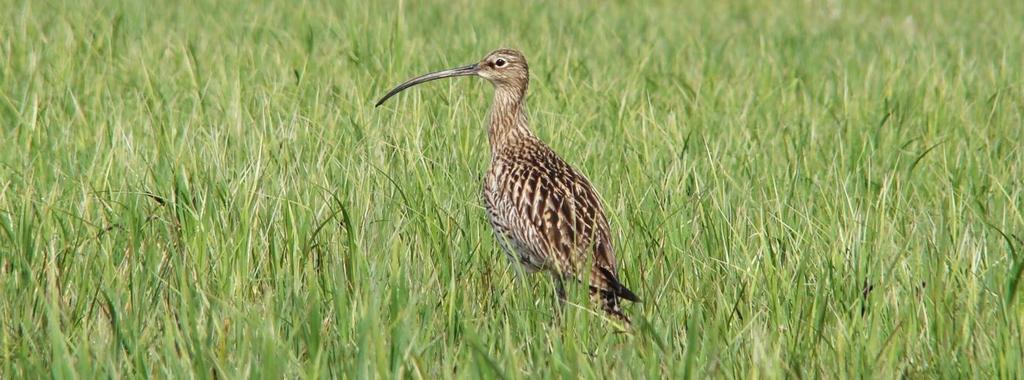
column 499, row 63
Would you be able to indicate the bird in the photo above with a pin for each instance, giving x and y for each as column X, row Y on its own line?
column 544, row 213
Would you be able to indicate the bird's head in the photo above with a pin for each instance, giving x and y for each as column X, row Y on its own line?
column 504, row 68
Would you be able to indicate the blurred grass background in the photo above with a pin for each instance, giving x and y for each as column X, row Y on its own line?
column 797, row 188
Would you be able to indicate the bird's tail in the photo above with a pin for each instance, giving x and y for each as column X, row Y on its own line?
column 615, row 287
column 608, row 296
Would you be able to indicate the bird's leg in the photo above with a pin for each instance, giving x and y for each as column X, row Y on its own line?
column 559, row 286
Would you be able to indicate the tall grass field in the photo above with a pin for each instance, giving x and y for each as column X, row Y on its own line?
column 796, row 189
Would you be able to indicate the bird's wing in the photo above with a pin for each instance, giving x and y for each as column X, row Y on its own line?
column 557, row 216
column 565, row 215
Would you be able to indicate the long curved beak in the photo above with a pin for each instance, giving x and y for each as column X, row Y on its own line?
column 456, row 72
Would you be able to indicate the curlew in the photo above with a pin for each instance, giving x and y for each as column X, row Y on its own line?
column 545, row 214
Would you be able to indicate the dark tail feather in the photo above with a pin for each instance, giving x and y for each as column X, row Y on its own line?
column 616, row 287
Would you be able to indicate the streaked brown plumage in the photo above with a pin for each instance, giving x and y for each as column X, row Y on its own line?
column 545, row 214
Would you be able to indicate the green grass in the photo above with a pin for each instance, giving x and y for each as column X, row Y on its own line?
column 806, row 188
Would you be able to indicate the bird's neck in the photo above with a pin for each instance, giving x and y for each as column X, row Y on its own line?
column 508, row 121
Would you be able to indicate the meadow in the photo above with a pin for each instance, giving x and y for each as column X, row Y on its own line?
column 797, row 188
